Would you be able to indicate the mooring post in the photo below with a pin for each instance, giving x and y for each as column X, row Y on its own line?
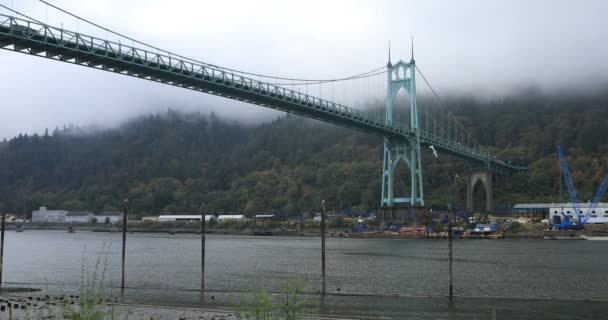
column 2, row 245
column 124, row 242
column 323, row 248
column 202, row 249
column 450, row 254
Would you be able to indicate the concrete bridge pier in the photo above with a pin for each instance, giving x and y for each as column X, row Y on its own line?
column 485, row 178
column 401, row 214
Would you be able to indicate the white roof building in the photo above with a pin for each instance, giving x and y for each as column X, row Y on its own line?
column 168, row 218
column 79, row 217
column 556, row 205
column 43, row 215
column 226, row 217
column 559, row 211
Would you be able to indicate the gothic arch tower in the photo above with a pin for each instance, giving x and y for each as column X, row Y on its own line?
column 485, row 178
column 402, row 75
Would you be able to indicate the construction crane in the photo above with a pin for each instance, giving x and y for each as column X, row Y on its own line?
column 596, row 199
column 568, row 223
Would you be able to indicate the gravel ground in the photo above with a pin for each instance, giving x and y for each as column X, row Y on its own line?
column 29, row 306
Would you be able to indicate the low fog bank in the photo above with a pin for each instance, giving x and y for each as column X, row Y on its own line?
column 248, row 116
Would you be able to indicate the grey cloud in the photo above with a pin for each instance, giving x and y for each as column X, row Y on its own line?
column 489, row 47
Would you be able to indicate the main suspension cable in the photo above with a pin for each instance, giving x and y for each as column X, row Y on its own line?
column 198, row 61
column 430, row 87
column 21, row 14
column 442, row 105
column 360, row 76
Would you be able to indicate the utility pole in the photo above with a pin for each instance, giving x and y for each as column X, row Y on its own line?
column 452, row 208
column 323, row 248
column 2, row 244
column 203, row 222
column 124, row 242
column 450, row 252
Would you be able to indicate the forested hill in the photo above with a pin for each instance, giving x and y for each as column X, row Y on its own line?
column 173, row 162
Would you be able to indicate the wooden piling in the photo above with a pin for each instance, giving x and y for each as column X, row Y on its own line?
column 124, row 243
column 323, row 249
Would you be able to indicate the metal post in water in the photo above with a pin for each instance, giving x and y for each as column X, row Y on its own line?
column 124, row 242
column 203, row 248
column 323, row 248
column 2, row 244
column 450, row 253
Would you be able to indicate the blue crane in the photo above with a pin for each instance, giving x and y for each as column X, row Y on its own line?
column 582, row 220
column 596, row 199
column 568, row 223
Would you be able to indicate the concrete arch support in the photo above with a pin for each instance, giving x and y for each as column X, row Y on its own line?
column 485, row 178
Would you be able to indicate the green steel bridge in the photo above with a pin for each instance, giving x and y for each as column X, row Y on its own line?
column 402, row 141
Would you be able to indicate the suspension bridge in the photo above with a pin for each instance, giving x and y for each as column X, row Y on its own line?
column 402, row 139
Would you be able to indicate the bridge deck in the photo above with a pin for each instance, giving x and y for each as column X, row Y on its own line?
column 45, row 41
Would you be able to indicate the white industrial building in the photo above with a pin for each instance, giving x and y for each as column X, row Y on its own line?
column 557, row 212
column 171, row 218
column 79, row 217
column 44, row 215
column 234, row 217
column 597, row 215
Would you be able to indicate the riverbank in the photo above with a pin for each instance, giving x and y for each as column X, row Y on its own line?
column 194, row 228
column 520, row 231
column 167, row 228
column 331, row 306
column 34, row 307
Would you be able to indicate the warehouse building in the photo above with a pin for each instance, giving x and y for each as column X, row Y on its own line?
column 43, row 215
column 79, row 217
column 172, row 218
column 557, row 212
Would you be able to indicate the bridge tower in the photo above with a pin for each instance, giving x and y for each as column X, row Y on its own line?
column 402, row 75
column 485, row 178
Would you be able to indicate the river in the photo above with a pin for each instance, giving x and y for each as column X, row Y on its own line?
column 375, row 277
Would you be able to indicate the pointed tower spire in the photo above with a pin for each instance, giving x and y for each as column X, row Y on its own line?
column 413, row 61
column 389, row 64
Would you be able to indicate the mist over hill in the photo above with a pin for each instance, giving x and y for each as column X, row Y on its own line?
column 172, row 162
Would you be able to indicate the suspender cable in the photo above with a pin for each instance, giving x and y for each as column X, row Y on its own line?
column 194, row 60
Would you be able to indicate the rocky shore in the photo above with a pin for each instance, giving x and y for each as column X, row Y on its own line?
column 17, row 305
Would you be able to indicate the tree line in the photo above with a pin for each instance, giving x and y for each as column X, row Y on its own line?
column 173, row 162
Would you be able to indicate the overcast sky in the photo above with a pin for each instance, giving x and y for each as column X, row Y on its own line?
column 489, row 47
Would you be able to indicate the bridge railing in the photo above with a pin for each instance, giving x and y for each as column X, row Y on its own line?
column 58, row 37
column 442, row 143
column 480, row 154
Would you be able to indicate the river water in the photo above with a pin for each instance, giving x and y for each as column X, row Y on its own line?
column 389, row 278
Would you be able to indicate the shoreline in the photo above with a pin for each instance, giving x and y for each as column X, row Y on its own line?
column 194, row 228
column 534, row 232
column 15, row 306
column 331, row 306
